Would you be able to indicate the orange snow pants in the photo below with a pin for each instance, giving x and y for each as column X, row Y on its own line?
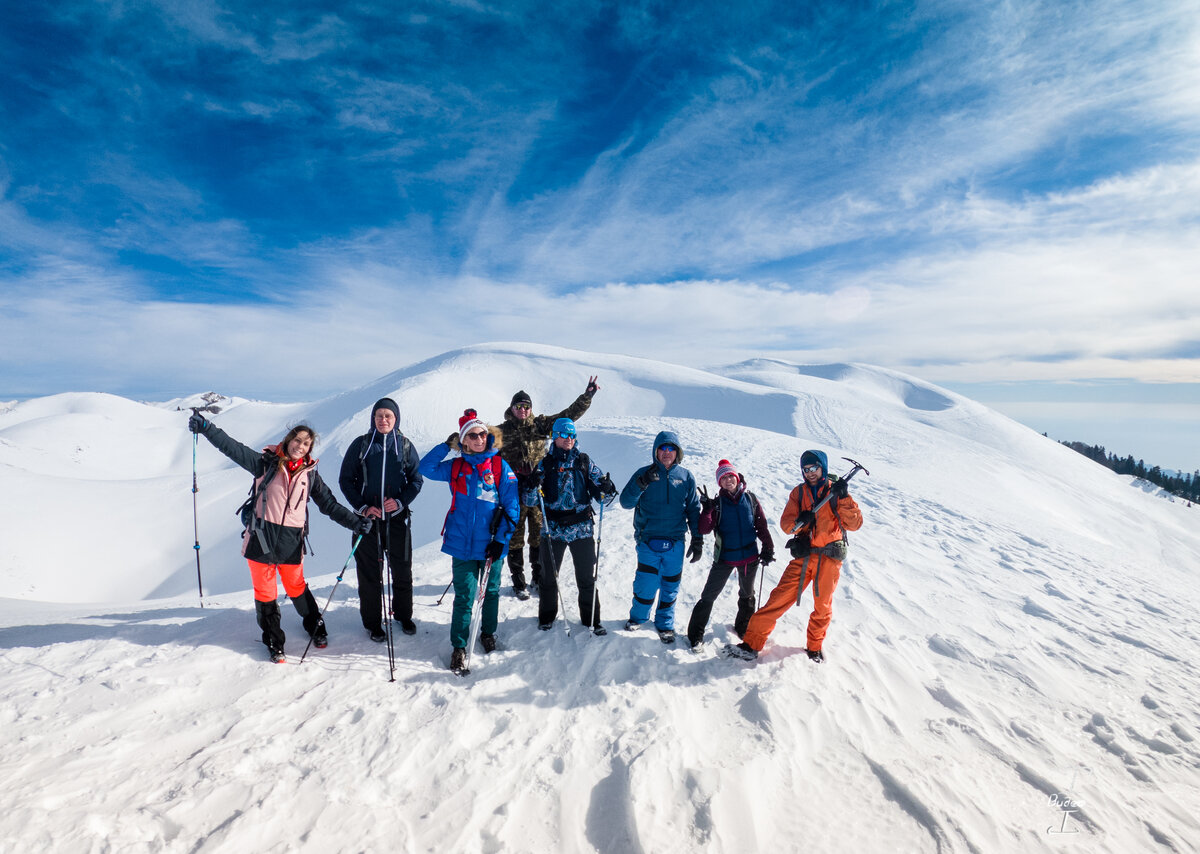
column 824, row 573
column 262, row 575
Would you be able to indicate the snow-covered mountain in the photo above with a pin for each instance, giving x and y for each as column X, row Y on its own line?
column 1011, row 661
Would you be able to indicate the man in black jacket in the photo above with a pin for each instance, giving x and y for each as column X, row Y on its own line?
column 380, row 480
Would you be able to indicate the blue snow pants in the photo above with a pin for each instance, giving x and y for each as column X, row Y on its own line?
column 658, row 572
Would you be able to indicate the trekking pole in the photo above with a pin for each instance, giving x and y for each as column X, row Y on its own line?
column 438, row 603
column 553, row 562
column 857, row 468
column 196, row 410
column 385, row 567
column 596, row 569
column 334, row 590
column 196, row 519
column 483, row 578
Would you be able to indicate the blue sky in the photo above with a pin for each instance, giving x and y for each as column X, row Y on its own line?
column 282, row 200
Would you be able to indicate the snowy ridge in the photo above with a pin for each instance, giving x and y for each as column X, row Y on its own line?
column 1014, row 628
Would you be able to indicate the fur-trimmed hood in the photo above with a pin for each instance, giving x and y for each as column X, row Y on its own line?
column 495, row 440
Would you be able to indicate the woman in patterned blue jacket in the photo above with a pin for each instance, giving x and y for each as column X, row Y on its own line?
column 569, row 482
column 483, row 508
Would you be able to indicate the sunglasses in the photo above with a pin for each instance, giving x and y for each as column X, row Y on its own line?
column 811, row 469
column 477, row 435
column 522, row 406
column 562, row 435
column 671, row 448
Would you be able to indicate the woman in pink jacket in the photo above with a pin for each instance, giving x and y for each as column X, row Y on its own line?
column 276, row 520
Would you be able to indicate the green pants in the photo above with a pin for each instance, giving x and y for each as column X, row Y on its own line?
column 466, row 583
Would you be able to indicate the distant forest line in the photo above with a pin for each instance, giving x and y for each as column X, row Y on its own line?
column 1186, row 486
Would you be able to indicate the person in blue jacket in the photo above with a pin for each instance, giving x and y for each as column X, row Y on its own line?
column 484, row 507
column 666, row 507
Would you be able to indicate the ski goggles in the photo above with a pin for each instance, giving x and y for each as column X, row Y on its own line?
column 564, row 434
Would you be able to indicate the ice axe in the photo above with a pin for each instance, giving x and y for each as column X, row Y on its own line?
column 857, row 468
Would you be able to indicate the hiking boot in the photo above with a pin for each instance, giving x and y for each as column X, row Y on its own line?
column 521, row 593
column 815, row 655
column 695, row 641
column 631, row 625
column 320, row 637
column 408, row 627
column 743, row 651
column 488, row 642
column 458, row 661
column 666, row 635
column 276, row 653
column 599, row 630
column 378, row 636
column 545, row 627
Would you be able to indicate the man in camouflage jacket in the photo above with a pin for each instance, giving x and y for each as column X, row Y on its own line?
column 525, row 436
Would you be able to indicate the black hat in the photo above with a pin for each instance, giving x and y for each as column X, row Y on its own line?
column 520, row 397
column 385, row 403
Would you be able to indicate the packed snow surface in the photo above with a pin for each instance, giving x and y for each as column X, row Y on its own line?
column 1012, row 664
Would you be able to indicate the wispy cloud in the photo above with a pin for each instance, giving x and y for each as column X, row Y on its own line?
column 969, row 191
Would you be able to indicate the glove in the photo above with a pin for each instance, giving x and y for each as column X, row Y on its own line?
column 197, row 423
column 706, row 503
column 806, row 517
column 592, row 387
column 363, row 525
column 839, row 489
column 767, row 555
column 493, row 550
column 607, row 487
column 696, row 549
column 647, row 477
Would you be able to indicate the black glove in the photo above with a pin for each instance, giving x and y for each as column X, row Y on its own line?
column 198, row 423
column 706, row 503
column 607, row 487
column 767, row 555
column 493, row 550
column 839, row 489
column 363, row 525
column 696, row 549
column 806, row 517
column 647, row 477
column 592, row 388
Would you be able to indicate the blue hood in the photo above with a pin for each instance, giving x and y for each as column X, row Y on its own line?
column 666, row 437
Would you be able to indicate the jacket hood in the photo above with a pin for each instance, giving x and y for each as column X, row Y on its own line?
column 810, row 457
column 666, row 437
column 383, row 403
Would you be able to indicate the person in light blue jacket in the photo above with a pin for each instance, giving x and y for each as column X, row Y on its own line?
column 484, row 506
column 666, row 507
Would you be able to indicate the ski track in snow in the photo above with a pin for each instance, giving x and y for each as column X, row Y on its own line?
column 1014, row 626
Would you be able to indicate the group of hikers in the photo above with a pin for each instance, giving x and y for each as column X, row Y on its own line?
column 525, row 481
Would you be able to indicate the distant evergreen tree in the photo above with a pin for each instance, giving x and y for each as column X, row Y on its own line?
column 1184, row 486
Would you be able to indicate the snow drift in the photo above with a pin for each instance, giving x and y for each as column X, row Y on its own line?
column 1012, row 656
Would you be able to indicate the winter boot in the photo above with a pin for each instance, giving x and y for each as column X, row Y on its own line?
column 310, row 613
column 378, row 635
column 816, row 656
column 743, row 651
column 631, row 625
column 599, row 630
column 267, row 614
column 489, row 642
column 408, row 627
column 516, row 568
column 666, row 635
column 458, row 661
